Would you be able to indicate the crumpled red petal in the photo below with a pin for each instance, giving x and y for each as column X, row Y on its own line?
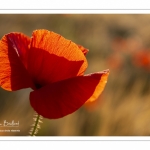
column 53, row 58
column 21, row 44
column 59, row 99
column 84, row 50
column 13, row 75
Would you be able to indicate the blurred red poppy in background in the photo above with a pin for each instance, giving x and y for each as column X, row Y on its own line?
column 126, row 45
column 142, row 59
column 53, row 67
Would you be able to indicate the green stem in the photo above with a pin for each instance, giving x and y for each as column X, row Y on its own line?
column 36, row 125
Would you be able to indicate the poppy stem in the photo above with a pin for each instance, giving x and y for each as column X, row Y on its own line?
column 36, row 126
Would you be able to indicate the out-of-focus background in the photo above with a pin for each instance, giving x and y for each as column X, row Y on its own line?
column 120, row 43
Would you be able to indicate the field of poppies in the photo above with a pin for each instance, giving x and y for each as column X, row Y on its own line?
column 120, row 43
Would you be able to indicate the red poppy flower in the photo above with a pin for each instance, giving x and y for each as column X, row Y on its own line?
column 142, row 59
column 53, row 67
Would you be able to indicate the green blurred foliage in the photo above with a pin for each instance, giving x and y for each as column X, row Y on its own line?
column 113, row 40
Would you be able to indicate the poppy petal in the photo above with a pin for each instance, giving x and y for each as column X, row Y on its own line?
column 84, row 50
column 99, row 88
column 61, row 98
column 21, row 44
column 53, row 58
column 13, row 75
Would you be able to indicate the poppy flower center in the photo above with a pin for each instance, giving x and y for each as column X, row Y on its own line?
column 38, row 86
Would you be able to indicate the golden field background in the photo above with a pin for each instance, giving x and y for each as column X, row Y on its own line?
column 113, row 40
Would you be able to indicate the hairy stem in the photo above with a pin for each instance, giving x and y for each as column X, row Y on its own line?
column 36, row 125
